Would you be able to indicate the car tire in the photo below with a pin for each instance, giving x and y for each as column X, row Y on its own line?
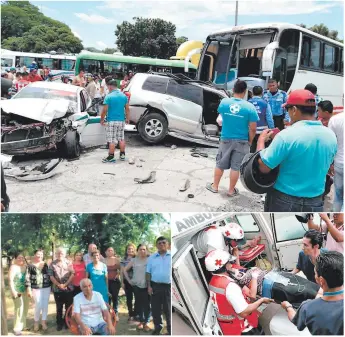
column 153, row 127
column 69, row 146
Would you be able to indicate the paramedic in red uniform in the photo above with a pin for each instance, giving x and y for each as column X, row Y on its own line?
column 235, row 314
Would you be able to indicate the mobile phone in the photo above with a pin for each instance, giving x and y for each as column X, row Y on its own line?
column 275, row 131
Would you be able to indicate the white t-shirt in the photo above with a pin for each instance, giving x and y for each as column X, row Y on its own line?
column 336, row 124
column 234, row 295
column 98, row 90
column 90, row 311
column 208, row 240
column 105, row 88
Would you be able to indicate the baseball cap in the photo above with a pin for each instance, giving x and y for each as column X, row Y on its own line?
column 112, row 82
column 300, row 97
column 12, row 68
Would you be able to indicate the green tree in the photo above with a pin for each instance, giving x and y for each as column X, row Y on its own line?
column 25, row 28
column 110, row 50
column 322, row 29
column 156, row 36
column 180, row 40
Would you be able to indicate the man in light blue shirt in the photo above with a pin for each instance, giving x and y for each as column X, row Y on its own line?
column 276, row 98
column 158, row 277
column 238, row 119
column 304, row 153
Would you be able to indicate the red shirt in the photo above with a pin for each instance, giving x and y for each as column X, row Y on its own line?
column 35, row 78
column 80, row 273
column 21, row 84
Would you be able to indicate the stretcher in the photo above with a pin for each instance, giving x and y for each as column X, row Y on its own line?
column 251, row 253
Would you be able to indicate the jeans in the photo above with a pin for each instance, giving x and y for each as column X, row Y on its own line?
column 277, row 201
column 62, row 299
column 129, row 298
column 161, row 299
column 100, row 329
column 114, row 288
column 338, row 203
column 142, row 299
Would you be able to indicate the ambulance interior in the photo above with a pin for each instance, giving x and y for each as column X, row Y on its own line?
column 273, row 320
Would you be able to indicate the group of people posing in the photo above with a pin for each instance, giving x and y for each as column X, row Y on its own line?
column 92, row 283
column 238, row 291
column 295, row 132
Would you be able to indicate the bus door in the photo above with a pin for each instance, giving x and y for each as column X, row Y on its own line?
column 190, row 285
column 288, row 233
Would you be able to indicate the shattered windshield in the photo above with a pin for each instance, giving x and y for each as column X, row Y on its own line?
column 46, row 93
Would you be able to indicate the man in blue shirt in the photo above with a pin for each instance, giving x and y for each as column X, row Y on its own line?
column 276, row 98
column 312, row 243
column 325, row 315
column 264, row 112
column 239, row 119
column 116, row 109
column 304, row 153
column 158, row 277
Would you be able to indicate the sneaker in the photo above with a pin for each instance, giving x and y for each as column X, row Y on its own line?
column 156, row 332
column 109, row 159
column 146, row 328
column 140, row 326
column 122, row 156
column 59, row 328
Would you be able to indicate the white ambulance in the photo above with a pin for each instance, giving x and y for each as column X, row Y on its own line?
column 193, row 311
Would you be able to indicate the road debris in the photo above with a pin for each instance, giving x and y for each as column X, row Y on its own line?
column 173, row 147
column 185, row 186
column 150, row 179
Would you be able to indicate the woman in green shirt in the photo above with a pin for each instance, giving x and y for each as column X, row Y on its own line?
column 16, row 277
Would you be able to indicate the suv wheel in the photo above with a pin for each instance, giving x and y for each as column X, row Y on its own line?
column 153, row 127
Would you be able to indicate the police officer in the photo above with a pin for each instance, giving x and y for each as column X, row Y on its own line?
column 276, row 98
column 264, row 112
column 298, row 150
column 235, row 314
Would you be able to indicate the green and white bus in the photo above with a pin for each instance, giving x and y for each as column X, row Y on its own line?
column 119, row 65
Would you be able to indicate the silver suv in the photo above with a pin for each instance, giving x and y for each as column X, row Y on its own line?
column 167, row 104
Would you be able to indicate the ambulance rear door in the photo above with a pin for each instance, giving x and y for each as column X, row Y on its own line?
column 194, row 297
column 288, row 233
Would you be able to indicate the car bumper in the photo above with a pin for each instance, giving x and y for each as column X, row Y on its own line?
column 28, row 145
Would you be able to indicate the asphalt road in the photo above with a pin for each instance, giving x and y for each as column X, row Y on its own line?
column 88, row 185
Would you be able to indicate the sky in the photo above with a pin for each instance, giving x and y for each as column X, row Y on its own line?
column 94, row 22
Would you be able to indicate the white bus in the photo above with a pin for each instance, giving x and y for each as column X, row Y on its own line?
column 59, row 64
column 292, row 55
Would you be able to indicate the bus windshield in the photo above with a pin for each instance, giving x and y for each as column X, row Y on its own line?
column 245, row 59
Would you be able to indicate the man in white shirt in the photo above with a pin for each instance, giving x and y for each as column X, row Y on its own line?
column 87, row 257
column 336, row 124
column 90, row 311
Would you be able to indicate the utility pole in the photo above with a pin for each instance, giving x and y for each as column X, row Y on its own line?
column 236, row 13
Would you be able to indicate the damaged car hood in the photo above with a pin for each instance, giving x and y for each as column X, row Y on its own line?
column 39, row 109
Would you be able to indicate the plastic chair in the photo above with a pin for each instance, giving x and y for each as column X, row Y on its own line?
column 72, row 324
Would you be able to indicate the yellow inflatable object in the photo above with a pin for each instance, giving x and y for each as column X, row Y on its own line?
column 185, row 48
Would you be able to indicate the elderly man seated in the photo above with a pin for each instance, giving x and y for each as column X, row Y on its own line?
column 90, row 311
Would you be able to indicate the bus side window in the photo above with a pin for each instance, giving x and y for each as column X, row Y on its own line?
column 305, row 51
column 329, row 58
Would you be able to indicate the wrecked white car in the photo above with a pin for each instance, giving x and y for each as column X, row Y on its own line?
column 47, row 115
column 167, row 104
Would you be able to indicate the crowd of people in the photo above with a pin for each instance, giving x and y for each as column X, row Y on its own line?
column 92, row 283
column 295, row 133
column 238, row 291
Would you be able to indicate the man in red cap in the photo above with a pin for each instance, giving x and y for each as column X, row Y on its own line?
column 304, row 153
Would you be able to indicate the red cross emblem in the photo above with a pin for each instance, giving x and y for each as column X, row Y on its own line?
column 227, row 233
column 218, row 262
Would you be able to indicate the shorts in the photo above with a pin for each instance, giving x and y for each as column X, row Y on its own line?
column 231, row 153
column 115, row 132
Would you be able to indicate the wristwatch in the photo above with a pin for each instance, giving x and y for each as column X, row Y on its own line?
column 289, row 306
